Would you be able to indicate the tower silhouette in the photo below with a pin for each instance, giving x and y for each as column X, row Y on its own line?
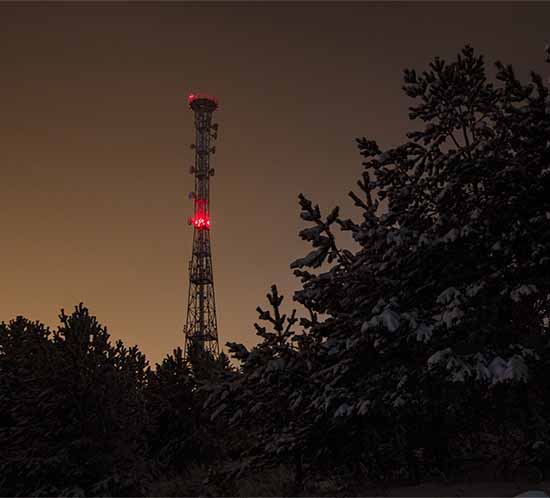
column 201, row 327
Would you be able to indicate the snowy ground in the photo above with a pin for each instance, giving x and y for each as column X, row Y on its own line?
column 532, row 493
column 479, row 489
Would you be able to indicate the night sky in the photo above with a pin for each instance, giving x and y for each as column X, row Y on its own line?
column 95, row 134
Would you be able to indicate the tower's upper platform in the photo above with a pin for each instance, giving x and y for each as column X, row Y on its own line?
column 202, row 102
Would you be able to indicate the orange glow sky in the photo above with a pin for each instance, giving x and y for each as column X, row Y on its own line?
column 95, row 134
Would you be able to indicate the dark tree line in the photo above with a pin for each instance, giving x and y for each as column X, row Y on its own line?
column 82, row 416
column 433, row 350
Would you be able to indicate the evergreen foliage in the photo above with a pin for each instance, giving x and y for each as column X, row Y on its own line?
column 179, row 433
column 73, row 408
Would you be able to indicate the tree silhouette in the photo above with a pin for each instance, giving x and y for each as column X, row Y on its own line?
column 436, row 329
column 76, row 411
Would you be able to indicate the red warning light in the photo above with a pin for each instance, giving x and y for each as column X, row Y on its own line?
column 201, row 219
column 197, row 96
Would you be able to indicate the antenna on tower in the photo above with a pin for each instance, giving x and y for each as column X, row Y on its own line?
column 215, row 128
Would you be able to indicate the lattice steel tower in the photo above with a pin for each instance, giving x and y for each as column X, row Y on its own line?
column 201, row 327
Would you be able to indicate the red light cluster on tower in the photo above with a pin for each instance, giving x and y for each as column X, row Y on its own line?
column 200, row 222
column 201, row 219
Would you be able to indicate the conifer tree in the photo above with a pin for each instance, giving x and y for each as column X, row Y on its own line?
column 74, row 410
column 446, row 303
column 436, row 328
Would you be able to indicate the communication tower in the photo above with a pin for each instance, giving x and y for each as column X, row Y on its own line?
column 201, row 326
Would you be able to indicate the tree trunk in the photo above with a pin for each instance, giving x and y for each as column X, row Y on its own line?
column 299, row 473
column 412, row 466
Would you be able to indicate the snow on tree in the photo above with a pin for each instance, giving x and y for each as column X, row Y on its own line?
column 456, row 262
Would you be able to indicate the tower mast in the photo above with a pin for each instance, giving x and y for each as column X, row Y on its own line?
column 201, row 326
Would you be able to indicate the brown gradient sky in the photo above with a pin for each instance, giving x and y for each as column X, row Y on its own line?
column 95, row 134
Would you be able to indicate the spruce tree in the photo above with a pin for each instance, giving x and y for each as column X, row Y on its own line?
column 445, row 305
column 436, row 331
column 74, row 410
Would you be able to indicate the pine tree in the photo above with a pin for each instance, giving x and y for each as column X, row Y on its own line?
column 441, row 315
column 263, row 400
column 180, row 433
column 74, row 409
column 446, row 303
